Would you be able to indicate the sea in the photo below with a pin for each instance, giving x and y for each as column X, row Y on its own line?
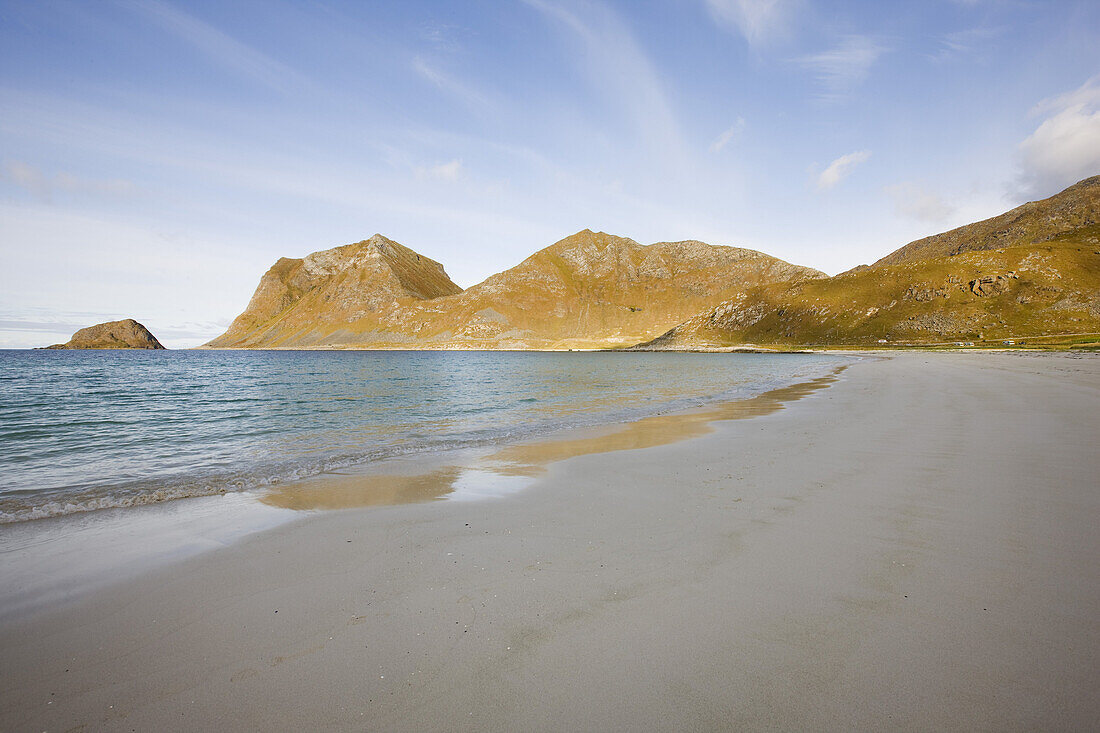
column 83, row 431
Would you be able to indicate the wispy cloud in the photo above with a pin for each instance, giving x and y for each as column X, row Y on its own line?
column 220, row 47
column 914, row 201
column 463, row 92
column 759, row 21
column 842, row 68
column 45, row 187
column 967, row 43
column 840, row 169
column 1065, row 147
column 615, row 59
column 727, row 136
column 442, row 36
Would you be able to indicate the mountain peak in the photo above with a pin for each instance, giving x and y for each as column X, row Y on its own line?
column 339, row 285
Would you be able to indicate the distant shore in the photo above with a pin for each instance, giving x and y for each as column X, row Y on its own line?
column 912, row 547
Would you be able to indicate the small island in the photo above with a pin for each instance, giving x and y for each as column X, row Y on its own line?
column 125, row 334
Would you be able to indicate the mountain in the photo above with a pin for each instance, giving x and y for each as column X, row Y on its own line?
column 336, row 296
column 1032, row 271
column 126, row 334
column 594, row 289
column 1073, row 210
column 588, row 290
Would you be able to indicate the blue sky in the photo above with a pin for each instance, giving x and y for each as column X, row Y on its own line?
column 157, row 157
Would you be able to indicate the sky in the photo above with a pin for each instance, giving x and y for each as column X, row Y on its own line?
column 157, row 157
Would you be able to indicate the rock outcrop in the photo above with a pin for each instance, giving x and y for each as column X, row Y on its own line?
column 125, row 334
column 589, row 290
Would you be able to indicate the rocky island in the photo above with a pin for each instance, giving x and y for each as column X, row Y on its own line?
column 124, row 334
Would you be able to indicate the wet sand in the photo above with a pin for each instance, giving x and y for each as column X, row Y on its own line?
column 911, row 548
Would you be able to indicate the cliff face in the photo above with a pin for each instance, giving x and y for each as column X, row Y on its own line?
column 589, row 290
column 126, row 334
column 1032, row 271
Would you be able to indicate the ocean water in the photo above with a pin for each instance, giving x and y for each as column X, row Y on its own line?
column 88, row 430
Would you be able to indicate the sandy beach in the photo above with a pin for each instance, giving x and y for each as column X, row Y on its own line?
column 910, row 547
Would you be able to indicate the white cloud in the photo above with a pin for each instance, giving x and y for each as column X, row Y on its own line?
column 1065, row 147
column 840, row 169
column 757, row 20
column 841, row 69
column 44, row 186
column 916, row 202
column 724, row 139
column 449, row 171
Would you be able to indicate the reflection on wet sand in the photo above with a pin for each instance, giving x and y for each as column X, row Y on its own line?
column 526, row 460
column 342, row 491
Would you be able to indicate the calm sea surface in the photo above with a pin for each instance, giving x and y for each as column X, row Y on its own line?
column 88, row 430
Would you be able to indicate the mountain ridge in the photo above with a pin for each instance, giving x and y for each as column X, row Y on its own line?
column 587, row 290
column 1031, row 271
column 1034, row 269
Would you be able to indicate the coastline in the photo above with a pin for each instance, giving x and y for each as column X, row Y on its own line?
column 54, row 560
column 910, row 548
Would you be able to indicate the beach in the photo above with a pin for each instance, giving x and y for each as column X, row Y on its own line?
column 909, row 547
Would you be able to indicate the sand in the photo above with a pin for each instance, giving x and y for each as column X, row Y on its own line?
column 913, row 547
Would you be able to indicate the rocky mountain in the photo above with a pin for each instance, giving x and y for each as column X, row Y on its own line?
column 1032, row 271
column 589, row 290
column 337, row 296
column 126, row 334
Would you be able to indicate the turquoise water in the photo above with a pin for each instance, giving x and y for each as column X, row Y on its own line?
column 88, row 430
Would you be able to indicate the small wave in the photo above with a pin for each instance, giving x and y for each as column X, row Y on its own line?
column 62, row 507
column 334, row 451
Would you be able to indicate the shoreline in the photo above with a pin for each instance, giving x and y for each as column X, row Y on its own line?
column 54, row 560
column 911, row 548
column 18, row 507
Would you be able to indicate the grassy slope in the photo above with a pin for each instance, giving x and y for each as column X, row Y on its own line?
column 1047, row 254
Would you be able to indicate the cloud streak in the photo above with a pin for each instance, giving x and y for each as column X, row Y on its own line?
column 220, row 47
column 844, row 67
column 45, row 187
column 963, row 43
column 475, row 100
column 727, row 136
column 758, row 21
column 616, row 61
